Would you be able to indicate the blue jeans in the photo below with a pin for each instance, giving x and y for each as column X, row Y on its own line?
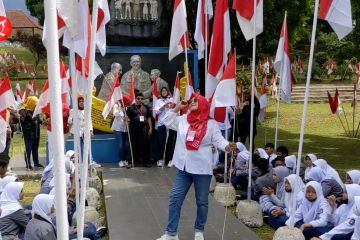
column 124, row 147
column 89, row 232
column 277, row 222
column 182, row 183
column 313, row 232
column 32, row 147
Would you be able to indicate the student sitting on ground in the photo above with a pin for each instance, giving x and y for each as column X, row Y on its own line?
column 282, row 151
column 329, row 171
column 13, row 220
column 279, row 216
column 356, row 211
column 240, row 177
column 5, row 181
column 329, row 186
column 309, row 163
column 4, row 164
column 269, row 148
column 279, row 161
column 312, row 215
column 353, row 176
column 343, row 217
column 264, row 177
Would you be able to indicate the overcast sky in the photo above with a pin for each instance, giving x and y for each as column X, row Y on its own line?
column 15, row 5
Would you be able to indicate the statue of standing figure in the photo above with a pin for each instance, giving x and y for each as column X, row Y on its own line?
column 145, row 10
column 153, row 9
column 141, row 79
column 127, row 9
column 136, row 8
column 161, row 83
column 119, row 9
column 109, row 80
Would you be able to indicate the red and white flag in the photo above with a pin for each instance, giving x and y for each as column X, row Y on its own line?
column 220, row 46
column 103, row 19
column 114, row 97
column 225, row 92
column 18, row 93
column 44, row 99
column 338, row 14
column 34, row 88
column 246, row 17
column 7, row 100
column 2, row 9
column 82, row 71
column 334, row 102
column 176, row 95
column 132, row 90
column 179, row 31
column 204, row 14
column 156, row 96
column 29, row 91
column 282, row 65
column 65, row 81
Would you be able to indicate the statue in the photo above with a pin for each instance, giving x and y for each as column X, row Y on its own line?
column 155, row 76
column 145, row 10
column 119, row 9
column 154, row 9
column 108, row 81
column 141, row 79
column 127, row 9
column 136, row 8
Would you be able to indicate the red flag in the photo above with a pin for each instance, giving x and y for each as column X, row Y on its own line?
column 18, row 93
column 103, row 19
column 220, row 46
column 156, row 96
column 334, row 102
column 204, row 13
column 132, row 89
column 176, row 93
column 34, row 88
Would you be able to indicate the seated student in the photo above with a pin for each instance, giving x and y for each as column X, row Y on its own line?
column 13, row 220
column 240, row 176
column 273, row 198
column 262, row 153
column 269, row 148
column 312, row 215
column 5, row 181
column 329, row 171
column 4, row 164
column 282, row 151
column 291, row 161
column 279, row 161
column 356, row 211
column 342, row 217
column 264, row 177
column 329, row 186
column 279, row 216
column 309, row 163
column 40, row 227
column 353, row 176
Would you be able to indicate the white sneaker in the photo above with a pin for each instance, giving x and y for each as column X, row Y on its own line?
column 122, row 164
column 170, row 164
column 167, row 237
column 199, row 236
column 160, row 163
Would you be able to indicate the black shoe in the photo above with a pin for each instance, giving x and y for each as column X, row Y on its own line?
column 101, row 231
column 29, row 167
column 39, row 165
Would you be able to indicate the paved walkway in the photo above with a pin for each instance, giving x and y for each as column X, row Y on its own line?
column 17, row 165
column 137, row 207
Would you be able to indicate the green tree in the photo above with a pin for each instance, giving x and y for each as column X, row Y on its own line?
column 36, row 8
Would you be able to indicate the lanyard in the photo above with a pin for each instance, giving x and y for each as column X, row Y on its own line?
column 141, row 110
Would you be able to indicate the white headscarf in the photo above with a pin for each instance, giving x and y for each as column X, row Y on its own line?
column 297, row 186
column 68, row 182
column 356, row 208
column 328, row 171
column 310, row 209
column 5, row 181
column 312, row 157
column 281, row 173
column 354, row 175
column 346, row 209
column 69, row 154
column 9, row 199
column 316, row 174
column 241, row 146
column 42, row 205
column 69, row 168
column 262, row 153
column 290, row 162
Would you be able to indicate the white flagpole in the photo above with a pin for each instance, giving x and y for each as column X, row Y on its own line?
column 226, row 154
column 252, row 102
column 77, row 148
column 206, row 39
column 306, row 99
column 279, row 91
column 56, row 119
column 87, row 136
column 187, row 64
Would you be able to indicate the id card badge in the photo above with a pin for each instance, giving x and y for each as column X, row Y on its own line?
column 142, row 118
column 191, row 136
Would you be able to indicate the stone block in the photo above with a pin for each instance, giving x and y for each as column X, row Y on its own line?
column 93, row 198
column 249, row 212
column 225, row 194
column 288, row 233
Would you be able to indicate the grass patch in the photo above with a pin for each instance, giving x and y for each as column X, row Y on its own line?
column 31, row 189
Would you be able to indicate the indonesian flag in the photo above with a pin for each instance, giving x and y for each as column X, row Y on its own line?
column 7, row 100
column 103, row 19
column 28, row 91
column 82, row 71
column 18, row 93
column 44, row 99
column 178, row 30
column 334, row 102
column 220, row 46
column 65, row 81
column 245, row 16
column 156, row 96
column 176, row 94
column 189, row 90
column 282, row 65
column 115, row 96
column 338, row 15
column 34, row 88
column 225, row 92
column 132, row 90
column 2, row 9
column 204, row 14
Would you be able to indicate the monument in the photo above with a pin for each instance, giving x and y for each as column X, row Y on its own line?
column 161, row 83
column 108, row 81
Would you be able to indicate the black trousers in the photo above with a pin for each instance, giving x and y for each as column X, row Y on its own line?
column 32, row 148
column 140, row 143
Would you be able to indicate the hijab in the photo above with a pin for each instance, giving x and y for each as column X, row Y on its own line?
column 346, row 209
column 49, row 170
column 42, row 205
column 316, row 174
column 9, row 199
column 5, row 181
column 281, row 173
column 328, row 171
column 198, row 120
column 30, row 103
column 262, row 153
column 68, row 183
column 313, row 158
column 290, row 162
column 310, row 209
column 167, row 93
column 354, row 175
column 297, row 191
column 241, row 146
column 356, row 208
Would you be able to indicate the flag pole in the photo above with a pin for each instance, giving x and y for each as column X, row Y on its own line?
column 279, row 91
column 56, row 119
column 226, row 154
column 347, row 123
column 354, row 110
column 87, row 142
column 306, row 99
column 77, row 149
column 206, row 39
column 252, row 102
column 187, row 62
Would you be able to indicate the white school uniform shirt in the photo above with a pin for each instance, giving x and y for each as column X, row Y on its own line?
column 81, row 117
column 159, row 104
column 194, row 161
column 297, row 186
column 119, row 123
column 9, row 199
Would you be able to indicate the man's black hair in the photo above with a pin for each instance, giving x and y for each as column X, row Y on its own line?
column 283, row 150
column 270, row 145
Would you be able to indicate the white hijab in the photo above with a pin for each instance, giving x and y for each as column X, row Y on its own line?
column 5, row 181
column 316, row 174
column 68, row 182
column 354, row 175
column 328, row 171
column 310, row 208
column 297, row 186
column 290, row 162
column 9, row 199
column 262, row 153
column 241, row 146
column 313, row 158
column 42, row 205
column 69, row 168
column 281, row 173
column 346, row 209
